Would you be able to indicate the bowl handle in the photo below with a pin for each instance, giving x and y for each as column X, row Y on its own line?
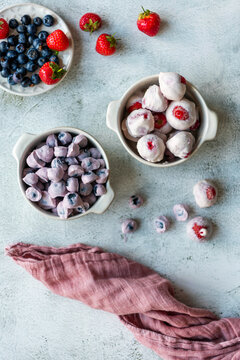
column 111, row 117
column 104, row 202
column 212, row 126
column 21, row 145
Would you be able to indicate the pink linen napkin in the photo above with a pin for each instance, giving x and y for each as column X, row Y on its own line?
column 143, row 300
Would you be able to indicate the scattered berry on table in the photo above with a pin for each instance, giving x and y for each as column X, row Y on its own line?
column 12, row 40
column 43, row 35
column 31, row 66
column 90, row 22
column 4, row 28
column 20, row 48
column 13, row 23
column 11, row 80
column 22, row 59
column 48, row 20
column 32, row 54
column 26, row 82
column 106, row 44
column 50, row 73
column 37, row 21
column 21, row 29
column 35, row 79
column 57, row 40
column 31, row 29
column 26, row 20
column 148, row 22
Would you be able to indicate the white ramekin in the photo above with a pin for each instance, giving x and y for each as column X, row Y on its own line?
column 206, row 132
column 28, row 142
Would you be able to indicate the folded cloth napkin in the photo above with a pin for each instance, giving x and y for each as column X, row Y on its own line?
column 143, row 300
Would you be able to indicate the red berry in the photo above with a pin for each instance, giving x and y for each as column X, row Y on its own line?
column 50, row 73
column 180, row 113
column 4, row 28
column 106, row 44
column 197, row 229
column 57, row 40
column 211, row 193
column 137, row 105
column 150, row 145
column 159, row 120
column 183, row 80
column 195, row 126
column 148, row 22
column 90, row 22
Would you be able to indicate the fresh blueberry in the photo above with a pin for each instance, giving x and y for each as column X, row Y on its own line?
column 43, row 35
column 31, row 66
column 4, row 47
column 38, row 44
column 13, row 23
column 5, row 72
column 21, row 29
column 37, row 21
column 41, row 61
column 26, row 82
column 10, row 80
column 31, row 39
column 35, row 79
column 21, row 70
column 1, row 67
column 48, row 20
column 31, row 29
column 46, row 52
column 22, row 38
column 5, row 62
column 22, row 59
column 32, row 54
column 17, row 77
column 26, row 19
column 20, row 48
column 12, row 40
column 14, row 65
column 54, row 58
column 12, row 54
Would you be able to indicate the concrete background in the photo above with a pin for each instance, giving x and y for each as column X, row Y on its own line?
column 200, row 40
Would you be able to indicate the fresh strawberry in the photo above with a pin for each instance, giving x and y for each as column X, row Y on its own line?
column 199, row 230
column 180, row 113
column 106, row 44
column 148, row 22
column 50, row 73
column 137, row 105
column 57, row 40
column 90, row 22
column 211, row 193
column 4, row 28
column 159, row 120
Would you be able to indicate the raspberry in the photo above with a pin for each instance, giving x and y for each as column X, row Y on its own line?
column 159, row 120
column 180, row 113
column 150, row 145
column 183, row 80
column 211, row 193
column 197, row 229
column 137, row 105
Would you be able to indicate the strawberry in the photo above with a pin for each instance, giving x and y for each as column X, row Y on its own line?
column 211, row 193
column 137, row 105
column 180, row 113
column 57, row 40
column 199, row 230
column 4, row 28
column 90, row 22
column 106, row 44
column 148, row 22
column 159, row 120
column 50, row 73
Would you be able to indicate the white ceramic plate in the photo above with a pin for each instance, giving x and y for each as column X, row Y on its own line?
column 66, row 57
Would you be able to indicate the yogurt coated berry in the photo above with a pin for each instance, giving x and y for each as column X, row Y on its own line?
column 181, row 115
column 134, row 102
column 63, row 212
column 140, row 122
column 34, row 162
column 80, row 140
column 151, row 148
column 72, row 184
column 33, row 194
column 161, row 224
column 172, row 85
column 45, row 153
column 46, row 202
column 30, row 179
column 65, row 138
column 180, row 212
column 85, row 189
column 205, row 193
column 52, row 141
column 55, row 174
column 135, row 201
column 129, row 226
column 199, row 229
column 160, row 123
column 57, row 189
column 60, row 151
column 72, row 200
column 99, row 190
column 181, row 144
column 154, row 100
column 73, row 150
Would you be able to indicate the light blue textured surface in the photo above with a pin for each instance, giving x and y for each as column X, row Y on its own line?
column 200, row 40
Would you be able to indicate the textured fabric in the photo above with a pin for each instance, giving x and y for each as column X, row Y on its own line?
column 143, row 300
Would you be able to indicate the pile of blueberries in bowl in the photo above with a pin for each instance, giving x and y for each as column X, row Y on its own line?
column 25, row 51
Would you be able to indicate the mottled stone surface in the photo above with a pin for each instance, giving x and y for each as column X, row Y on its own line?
column 201, row 41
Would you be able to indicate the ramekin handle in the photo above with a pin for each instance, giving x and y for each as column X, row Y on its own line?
column 104, row 202
column 21, row 145
column 111, row 117
column 212, row 126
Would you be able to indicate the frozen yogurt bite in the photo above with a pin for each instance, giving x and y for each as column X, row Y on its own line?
column 140, row 122
column 134, row 102
column 181, row 114
column 205, row 193
column 154, row 100
column 151, row 148
column 161, row 224
column 199, row 229
column 172, row 85
column 181, row 144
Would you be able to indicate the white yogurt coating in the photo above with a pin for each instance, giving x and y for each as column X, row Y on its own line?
column 126, row 133
column 205, row 193
column 183, row 108
column 172, row 85
column 199, row 229
column 151, row 148
column 135, row 98
column 140, row 122
column 154, row 100
column 181, row 144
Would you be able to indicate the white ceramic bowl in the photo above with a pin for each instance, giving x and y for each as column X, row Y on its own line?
column 116, row 110
column 28, row 142
column 66, row 57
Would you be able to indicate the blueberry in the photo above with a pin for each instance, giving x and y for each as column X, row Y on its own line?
column 31, row 66
column 10, row 80
column 4, row 47
column 26, row 19
column 21, row 70
column 20, row 48
column 31, row 29
column 46, row 52
column 54, row 58
column 41, row 61
column 31, row 39
column 21, row 29
column 32, row 54
column 12, row 54
column 38, row 44
column 1, row 67
column 22, row 59
column 14, row 65
column 35, row 79
column 37, row 21
column 17, row 77
column 13, row 23
column 22, row 38
column 43, row 35
column 26, row 82
column 48, row 20
column 5, row 62
column 5, row 72
column 12, row 40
